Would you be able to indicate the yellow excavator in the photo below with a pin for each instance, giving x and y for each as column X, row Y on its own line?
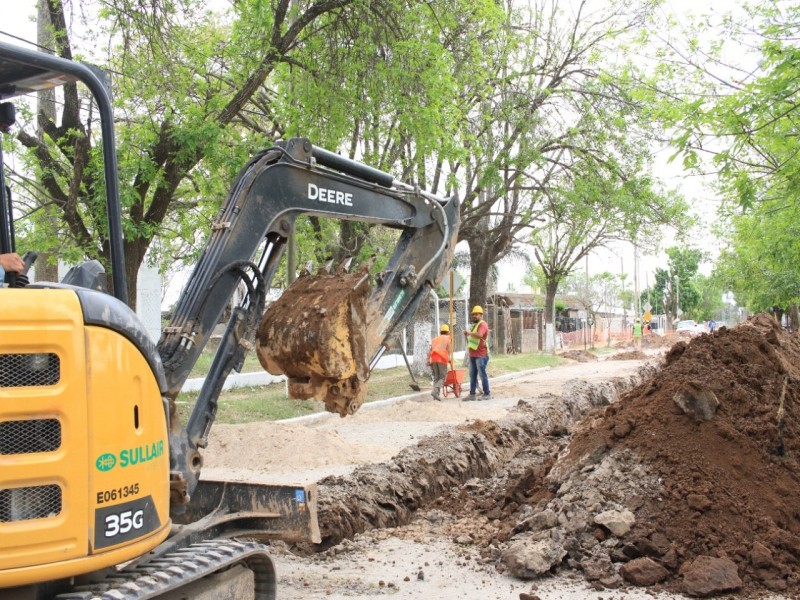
column 100, row 487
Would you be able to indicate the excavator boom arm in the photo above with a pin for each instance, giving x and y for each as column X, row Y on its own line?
column 248, row 239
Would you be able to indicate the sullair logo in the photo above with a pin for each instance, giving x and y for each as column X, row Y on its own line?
column 130, row 456
column 105, row 462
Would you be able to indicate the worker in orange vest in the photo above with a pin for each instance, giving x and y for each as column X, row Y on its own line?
column 438, row 358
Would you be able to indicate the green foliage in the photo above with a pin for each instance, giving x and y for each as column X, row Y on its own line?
column 761, row 264
column 600, row 202
column 711, row 292
column 741, row 116
column 198, row 93
column 678, row 286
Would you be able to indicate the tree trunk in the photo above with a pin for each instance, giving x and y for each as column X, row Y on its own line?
column 134, row 255
column 794, row 317
column 352, row 237
column 46, row 270
column 549, row 316
column 479, row 264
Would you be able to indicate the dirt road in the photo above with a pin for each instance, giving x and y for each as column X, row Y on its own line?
column 306, row 449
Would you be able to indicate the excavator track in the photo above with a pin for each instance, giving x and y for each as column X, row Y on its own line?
column 173, row 571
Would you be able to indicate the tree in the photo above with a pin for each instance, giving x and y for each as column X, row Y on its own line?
column 187, row 89
column 598, row 294
column 545, row 86
column 760, row 264
column 711, row 291
column 602, row 204
column 737, row 121
column 737, row 118
column 675, row 289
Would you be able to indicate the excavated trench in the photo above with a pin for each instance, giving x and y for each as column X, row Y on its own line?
column 683, row 478
column 390, row 494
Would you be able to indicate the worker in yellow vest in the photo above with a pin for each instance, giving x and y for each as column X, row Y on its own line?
column 637, row 333
column 438, row 358
column 478, row 355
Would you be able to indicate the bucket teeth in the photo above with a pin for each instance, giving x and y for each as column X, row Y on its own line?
column 327, row 267
column 306, row 271
column 344, row 266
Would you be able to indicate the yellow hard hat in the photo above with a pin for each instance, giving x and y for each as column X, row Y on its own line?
column 444, row 329
column 638, row 320
column 477, row 310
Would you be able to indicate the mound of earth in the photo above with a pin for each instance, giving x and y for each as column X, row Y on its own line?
column 683, row 480
column 660, row 341
column 688, row 483
column 632, row 355
column 579, row 355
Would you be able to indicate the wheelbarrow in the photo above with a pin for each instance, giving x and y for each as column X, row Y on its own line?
column 453, row 381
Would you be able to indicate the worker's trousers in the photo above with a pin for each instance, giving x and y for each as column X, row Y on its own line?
column 477, row 368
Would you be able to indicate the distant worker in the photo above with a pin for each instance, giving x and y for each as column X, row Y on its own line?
column 637, row 333
column 478, row 355
column 12, row 263
column 712, row 325
column 438, row 358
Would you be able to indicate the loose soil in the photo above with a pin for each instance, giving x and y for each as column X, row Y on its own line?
column 596, row 476
column 719, row 429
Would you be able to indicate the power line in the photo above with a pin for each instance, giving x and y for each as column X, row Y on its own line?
column 16, row 37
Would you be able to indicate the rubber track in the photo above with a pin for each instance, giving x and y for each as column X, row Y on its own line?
column 172, row 571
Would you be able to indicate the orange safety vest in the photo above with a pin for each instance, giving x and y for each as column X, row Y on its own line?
column 440, row 349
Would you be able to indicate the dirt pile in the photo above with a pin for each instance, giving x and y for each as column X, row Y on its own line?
column 579, row 355
column 660, row 341
column 720, row 427
column 391, row 494
column 688, row 483
column 630, row 355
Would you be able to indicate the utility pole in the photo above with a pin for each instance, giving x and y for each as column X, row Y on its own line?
column 636, row 280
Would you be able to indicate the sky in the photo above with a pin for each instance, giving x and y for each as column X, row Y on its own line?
column 17, row 20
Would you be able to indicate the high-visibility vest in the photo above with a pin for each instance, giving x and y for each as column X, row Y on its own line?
column 440, row 349
column 637, row 330
column 473, row 343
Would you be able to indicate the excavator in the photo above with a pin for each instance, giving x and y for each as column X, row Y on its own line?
column 100, row 488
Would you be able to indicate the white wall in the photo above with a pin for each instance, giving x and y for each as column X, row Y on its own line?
column 148, row 301
column 148, row 298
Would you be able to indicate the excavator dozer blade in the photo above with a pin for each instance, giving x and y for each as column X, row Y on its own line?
column 315, row 334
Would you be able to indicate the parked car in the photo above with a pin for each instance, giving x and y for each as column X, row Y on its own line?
column 687, row 328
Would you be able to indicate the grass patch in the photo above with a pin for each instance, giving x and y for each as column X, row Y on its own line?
column 269, row 402
column 203, row 364
column 514, row 363
column 250, row 404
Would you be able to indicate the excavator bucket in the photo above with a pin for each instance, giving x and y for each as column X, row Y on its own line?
column 315, row 334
